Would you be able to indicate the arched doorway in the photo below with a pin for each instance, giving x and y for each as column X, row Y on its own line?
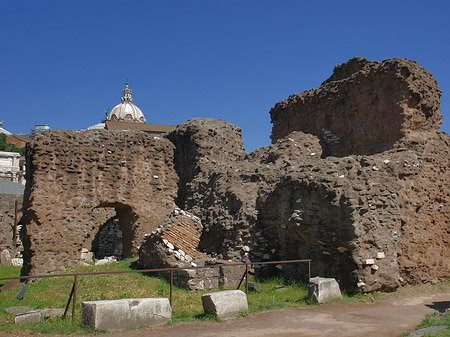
column 116, row 235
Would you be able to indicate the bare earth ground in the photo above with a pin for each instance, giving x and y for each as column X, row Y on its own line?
column 391, row 316
column 386, row 318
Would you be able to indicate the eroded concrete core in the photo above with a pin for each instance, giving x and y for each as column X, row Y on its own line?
column 356, row 179
column 78, row 180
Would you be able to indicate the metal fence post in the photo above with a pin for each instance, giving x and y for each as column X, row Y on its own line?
column 309, row 270
column 171, row 286
column 74, row 297
column 246, row 279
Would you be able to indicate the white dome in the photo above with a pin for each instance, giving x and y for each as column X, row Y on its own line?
column 126, row 111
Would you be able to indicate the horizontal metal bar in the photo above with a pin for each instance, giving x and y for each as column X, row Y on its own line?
column 149, row 270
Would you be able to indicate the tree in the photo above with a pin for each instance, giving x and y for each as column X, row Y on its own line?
column 5, row 146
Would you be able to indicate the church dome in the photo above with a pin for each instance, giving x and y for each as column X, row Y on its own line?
column 126, row 111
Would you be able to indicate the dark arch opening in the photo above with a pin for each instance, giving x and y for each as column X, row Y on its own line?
column 109, row 240
column 117, row 234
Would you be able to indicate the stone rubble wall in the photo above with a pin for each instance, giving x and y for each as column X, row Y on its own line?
column 364, row 107
column 200, row 143
column 109, row 241
column 355, row 179
column 7, row 214
column 77, row 180
column 424, row 200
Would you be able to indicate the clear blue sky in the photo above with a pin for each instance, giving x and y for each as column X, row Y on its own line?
column 65, row 62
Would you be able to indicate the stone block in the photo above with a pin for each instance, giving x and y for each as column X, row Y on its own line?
column 13, row 284
column 52, row 312
column 230, row 276
column 225, row 304
column 31, row 316
column 34, row 315
column 321, row 290
column 5, row 258
column 18, row 309
column 427, row 330
column 87, row 256
column 125, row 313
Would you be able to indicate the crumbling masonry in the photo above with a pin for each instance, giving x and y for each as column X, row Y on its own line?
column 79, row 180
column 356, row 179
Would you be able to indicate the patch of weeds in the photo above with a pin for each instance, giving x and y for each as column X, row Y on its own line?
column 242, row 314
column 277, row 293
column 359, row 297
column 207, row 317
column 55, row 325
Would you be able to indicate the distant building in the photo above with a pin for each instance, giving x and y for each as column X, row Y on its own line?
column 17, row 140
column 40, row 128
column 6, row 132
column 10, row 167
column 126, row 111
column 98, row 126
column 127, row 116
column 156, row 129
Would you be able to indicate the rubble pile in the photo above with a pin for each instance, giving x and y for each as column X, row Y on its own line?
column 175, row 245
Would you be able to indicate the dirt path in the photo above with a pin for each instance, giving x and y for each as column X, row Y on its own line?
column 391, row 317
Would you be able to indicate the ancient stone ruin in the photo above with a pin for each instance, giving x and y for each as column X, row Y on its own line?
column 175, row 245
column 79, row 181
column 11, row 196
column 356, row 179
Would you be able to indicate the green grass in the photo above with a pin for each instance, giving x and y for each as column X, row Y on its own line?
column 435, row 319
column 8, row 271
column 276, row 293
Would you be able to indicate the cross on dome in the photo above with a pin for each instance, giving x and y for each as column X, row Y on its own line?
column 126, row 111
column 127, row 94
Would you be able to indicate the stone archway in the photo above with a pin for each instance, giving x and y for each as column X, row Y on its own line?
column 77, row 180
column 116, row 235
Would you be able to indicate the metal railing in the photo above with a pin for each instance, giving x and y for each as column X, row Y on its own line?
column 73, row 292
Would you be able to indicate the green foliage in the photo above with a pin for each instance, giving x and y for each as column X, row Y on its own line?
column 5, row 146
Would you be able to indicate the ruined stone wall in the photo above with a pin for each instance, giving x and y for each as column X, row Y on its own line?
column 356, row 179
column 363, row 108
column 424, row 250
column 339, row 212
column 78, row 180
column 7, row 216
column 361, row 190
column 203, row 142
